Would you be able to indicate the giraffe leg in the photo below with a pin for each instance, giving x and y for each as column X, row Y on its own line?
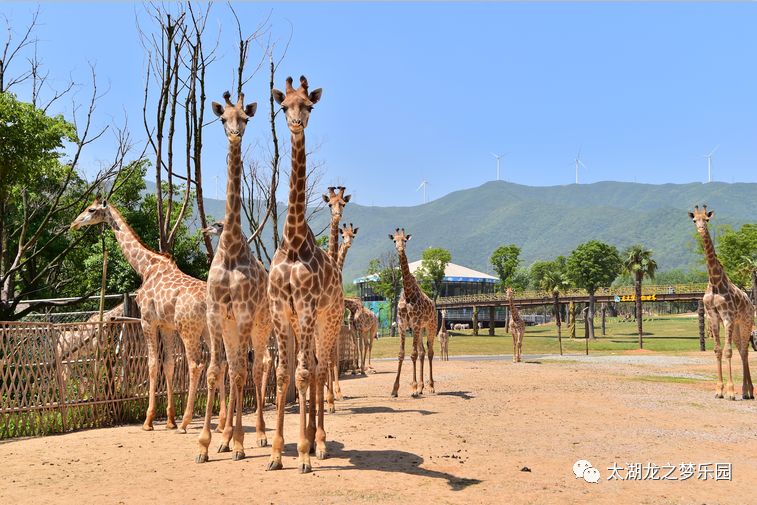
column 281, row 330
column 192, row 351
column 520, row 346
column 515, row 347
column 422, row 356
column 260, row 370
column 304, row 376
column 320, row 378
column 335, row 391
column 401, row 358
column 222, row 414
column 414, row 358
column 747, row 389
column 169, row 363
column 431, row 361
column 235, row 340
column 212, row 380
column 729, row 327
column 150, row 332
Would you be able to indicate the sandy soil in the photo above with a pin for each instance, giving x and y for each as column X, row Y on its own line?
column 468, row 443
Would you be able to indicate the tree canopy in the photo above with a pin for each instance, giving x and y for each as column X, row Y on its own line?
column 505, row 260
column 431, row 274
column 737, row 251
column 593, row 264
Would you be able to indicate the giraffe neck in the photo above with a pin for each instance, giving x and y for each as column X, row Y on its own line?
column 334, row 250
column 232, row 229
column 342, row 256
column 296, row 230
column 139, row 256
column 513, row 311
column 714, row 268
column 408, row 281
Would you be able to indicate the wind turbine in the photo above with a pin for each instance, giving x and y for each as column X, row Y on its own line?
column 423, row 185
column 578, row 162
column 499, row 157
column 709, row 163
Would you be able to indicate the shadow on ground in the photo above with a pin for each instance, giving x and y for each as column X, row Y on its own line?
column 391, row 461
column 385, row 410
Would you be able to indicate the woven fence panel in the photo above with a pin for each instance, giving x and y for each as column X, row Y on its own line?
column 56, row 378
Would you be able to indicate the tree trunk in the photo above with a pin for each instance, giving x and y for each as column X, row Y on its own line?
column 637, row 287
column 590, row 316
column 393, row 317
column 556, row 310
column 492, row 317
column 475, row 321
column 754, row 287
column 604, row 316
column 700, row 314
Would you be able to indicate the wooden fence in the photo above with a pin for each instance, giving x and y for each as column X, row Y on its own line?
column 56, row 378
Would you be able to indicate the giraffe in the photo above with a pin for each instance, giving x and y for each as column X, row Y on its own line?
column 336, row 201
column 169, row 300
column 415, row 312
column 348, row 234
column 237, row 301
column 365, row 323
column 516, row 326
column 444, row 337
column 305, row 288
column 725, row 302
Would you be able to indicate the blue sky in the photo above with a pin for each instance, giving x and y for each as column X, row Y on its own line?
column 417, row 91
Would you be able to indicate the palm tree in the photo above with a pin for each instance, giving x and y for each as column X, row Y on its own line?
column 638, row 263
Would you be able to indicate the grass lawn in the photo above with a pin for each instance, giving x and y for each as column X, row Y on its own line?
column 673, row 334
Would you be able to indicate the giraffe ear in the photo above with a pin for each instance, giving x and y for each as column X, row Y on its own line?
column 347, row 198
column 105, row 203
column 355, row 231
column 710, row 214
column 407, row 237
column 691, row 215
column 250, row 109
column 325, row 198
column 217, row 109
column 391, row 237
column 315, row 95
column 278, row 96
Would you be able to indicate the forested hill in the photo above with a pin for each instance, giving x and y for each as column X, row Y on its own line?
column 546, row 221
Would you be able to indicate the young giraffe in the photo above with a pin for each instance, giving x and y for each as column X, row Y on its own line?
column 169, row 300
column 415, row 312
column 725, row 302
column 444, row 337
column 516, row 326
column 348, row 234
column 365, row 323
column 237, row 300
column 305, row 288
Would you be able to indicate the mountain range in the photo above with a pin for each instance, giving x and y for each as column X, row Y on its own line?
column 544, row 221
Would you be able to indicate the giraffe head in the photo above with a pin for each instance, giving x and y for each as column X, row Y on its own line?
column 701, row 217
column 297, row 103
column 96, row 212
column 400, row 239
column 444, row 313
column 509, row 293
column 337, row 201
column 348, row 233
column 215, row 228
column 234, row 117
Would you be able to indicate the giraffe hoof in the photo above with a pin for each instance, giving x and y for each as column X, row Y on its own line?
column 262, row 442
column 274, row 464
column 181, row 431
column 320, row 453
column 305, row 468
column 394, row 394
column 746, row 397
column 331, row 409
column 147, row 427
column 201, row 458
column 171, row 426
column 718, row 395
column 224, row 448
column 733, row 397
column 238, row 456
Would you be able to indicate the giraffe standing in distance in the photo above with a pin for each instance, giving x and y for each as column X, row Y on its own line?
column 365, row 323
column 237, row 301
column 169, row 300
column 305, row 287
column 516, row 326
column 725, row 302
column 444, row 336
column 415, row 312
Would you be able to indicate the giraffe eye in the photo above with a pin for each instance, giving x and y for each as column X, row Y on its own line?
column 91, row 210
column 223, row 120
column 284, row 108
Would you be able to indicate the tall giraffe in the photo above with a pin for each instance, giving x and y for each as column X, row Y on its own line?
column 237, row 300
column 415, row 312
column 336, row 200
column 516, row 326
column 169, row 300
column 305, row 288
column 725, row 302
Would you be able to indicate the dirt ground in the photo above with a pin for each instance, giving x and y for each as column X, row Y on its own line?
column 468, row 443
